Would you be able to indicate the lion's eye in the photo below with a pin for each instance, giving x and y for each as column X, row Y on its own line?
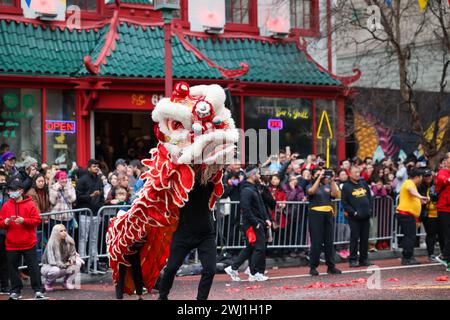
column 176, row 125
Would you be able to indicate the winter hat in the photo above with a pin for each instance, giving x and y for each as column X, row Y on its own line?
column 28, row 162
column 60, row 175
column 15, row 185
column 8, row 155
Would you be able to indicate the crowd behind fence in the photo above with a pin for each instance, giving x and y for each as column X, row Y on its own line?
column 89, row 229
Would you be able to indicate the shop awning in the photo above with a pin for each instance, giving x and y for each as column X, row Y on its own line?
column 138, row 51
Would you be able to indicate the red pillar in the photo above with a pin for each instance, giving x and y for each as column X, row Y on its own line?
column 341, row 128
column 168, row 58
column 83, row 132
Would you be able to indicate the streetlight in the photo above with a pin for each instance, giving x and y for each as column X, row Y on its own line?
column 167, row 7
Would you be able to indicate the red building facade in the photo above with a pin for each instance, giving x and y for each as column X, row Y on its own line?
column 66, row 92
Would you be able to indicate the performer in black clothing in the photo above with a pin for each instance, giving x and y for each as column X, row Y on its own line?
column 195, row 231
column 321, row 220
column 255, row 220
column 136, row 272
column 357, row 202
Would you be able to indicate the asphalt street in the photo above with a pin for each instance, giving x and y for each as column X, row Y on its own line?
column 386, row 280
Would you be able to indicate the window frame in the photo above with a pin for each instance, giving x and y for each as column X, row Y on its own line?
column 314, row 20
column 251, row 26
column 88, row 15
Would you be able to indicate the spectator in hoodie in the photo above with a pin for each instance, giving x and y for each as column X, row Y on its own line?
column 62, row 196
column 4, row 147
column 30, row 169
column 4, row 277
column 20, row 217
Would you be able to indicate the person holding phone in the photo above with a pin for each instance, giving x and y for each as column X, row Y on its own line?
column 321, row 219
column 20, row 217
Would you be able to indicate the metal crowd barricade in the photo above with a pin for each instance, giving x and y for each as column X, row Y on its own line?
column 292, row 222
column 104, row 215
column 71, row 220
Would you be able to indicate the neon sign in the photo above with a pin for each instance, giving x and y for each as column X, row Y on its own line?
column 275, row 124
column 60, row 126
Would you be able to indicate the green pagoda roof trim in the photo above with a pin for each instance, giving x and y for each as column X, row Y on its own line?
column 139, row 52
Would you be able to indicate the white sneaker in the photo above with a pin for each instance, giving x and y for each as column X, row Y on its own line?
column 247, row 271
column 257, row 277
column 234, row 274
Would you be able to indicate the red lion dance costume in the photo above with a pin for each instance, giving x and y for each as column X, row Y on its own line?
column 196, row 136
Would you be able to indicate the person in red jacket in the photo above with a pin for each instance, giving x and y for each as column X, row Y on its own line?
column 443, row 208
column 20, row 217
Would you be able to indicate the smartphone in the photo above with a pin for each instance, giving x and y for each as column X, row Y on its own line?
column 288, row 150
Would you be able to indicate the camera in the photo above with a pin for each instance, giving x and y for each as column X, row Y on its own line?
column 328, row 174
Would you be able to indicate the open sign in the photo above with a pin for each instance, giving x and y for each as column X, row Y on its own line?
column 60, row 126
column 275, row 124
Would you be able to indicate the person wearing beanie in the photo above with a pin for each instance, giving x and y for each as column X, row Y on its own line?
column 27, row 173
column 255, row 220
column 62, row 196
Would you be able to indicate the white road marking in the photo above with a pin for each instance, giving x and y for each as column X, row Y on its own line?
column 372, row 268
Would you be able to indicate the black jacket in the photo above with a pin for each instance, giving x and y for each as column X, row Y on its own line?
column 195, row 217
column 26, row 180
column 356, row 197
column 86, row 185
column 253, row 209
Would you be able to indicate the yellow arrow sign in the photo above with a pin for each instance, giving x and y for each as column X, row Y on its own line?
column 330, row 132
column 319, row 129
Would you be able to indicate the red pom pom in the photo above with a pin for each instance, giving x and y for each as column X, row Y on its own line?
column 180, row 92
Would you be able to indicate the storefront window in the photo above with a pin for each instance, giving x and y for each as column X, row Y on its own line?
column 329, row 106
column 292, row 118
column 85, row 5
column 6, row 2
column 60, row 127
column 20, row 121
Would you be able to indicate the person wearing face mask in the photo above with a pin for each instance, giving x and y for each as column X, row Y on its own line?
column 321, row 219
column 4, row 277
column 20, row 217
column 60, row 259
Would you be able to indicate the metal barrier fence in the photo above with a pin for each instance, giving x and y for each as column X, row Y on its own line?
column 291, row 219
column 89, row 230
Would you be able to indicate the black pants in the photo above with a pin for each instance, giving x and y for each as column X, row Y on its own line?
column 359, row 234
column 31, row 260
column 136, row 271
column 256, row 253
column 183, row 243
column 409, row 230
column 321, row 232
column 433, row 234
column 444, row 226
column 4, row 276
